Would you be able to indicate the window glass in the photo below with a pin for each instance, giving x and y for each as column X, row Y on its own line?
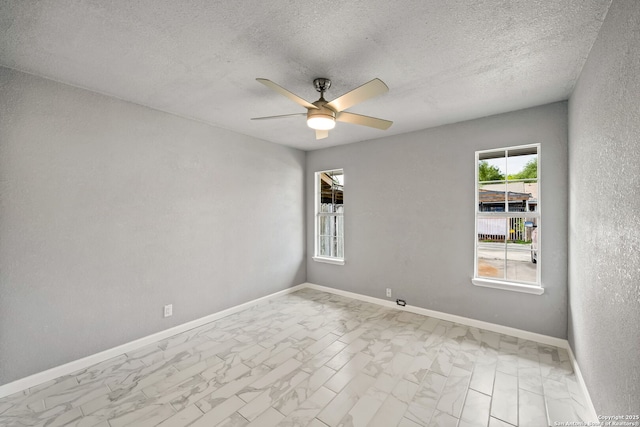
column 508, row 215
column 330, row 214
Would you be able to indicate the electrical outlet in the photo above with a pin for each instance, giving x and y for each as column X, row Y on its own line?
column 168, row 310
column 388, row 292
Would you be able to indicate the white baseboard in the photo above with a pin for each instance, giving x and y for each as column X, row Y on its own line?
column 76, row 365
column 576, row 369
column 532, row 336
column 71, row 367
column 519, row 333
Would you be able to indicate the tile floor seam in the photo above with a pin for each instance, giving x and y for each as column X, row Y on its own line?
column 361, row 329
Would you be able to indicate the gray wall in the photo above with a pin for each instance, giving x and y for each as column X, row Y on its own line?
column 409, row 218
column 604, row 234
column 109, row 210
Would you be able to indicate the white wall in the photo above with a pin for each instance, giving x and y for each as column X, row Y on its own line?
column 109, row 210
column 409, row 218
column 604, row 233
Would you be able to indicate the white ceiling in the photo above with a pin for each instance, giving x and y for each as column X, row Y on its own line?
column 444, row 60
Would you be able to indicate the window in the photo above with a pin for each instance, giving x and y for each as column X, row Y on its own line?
column 329, row 226
column 507, row 232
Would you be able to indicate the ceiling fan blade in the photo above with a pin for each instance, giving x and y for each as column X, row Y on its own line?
column 279, row 117
column 368, row 90
column 282, row 91
column 322, row 134
column 358, row 119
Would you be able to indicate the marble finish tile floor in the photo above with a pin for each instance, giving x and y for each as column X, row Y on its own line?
column 312, row 358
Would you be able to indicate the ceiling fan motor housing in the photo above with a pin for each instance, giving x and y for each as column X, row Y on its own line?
column 322, row 84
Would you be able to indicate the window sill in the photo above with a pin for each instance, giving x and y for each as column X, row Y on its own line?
column 337, row 261
column 508, row 286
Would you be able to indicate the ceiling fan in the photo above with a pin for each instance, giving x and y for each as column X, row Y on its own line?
column 322, row 115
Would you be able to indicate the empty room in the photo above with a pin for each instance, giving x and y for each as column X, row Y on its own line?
column 320, row 213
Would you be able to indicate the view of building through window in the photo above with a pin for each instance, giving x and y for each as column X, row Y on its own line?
column 508, row 214
column 330, row 214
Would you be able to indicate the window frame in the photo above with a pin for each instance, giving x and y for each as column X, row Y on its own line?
column 317, row 215
column 505, row 284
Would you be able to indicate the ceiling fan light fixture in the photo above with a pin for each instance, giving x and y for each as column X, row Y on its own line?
column 322, row 115
column 321, row 122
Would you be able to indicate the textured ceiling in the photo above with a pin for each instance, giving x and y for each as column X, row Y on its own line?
column 444, row 61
